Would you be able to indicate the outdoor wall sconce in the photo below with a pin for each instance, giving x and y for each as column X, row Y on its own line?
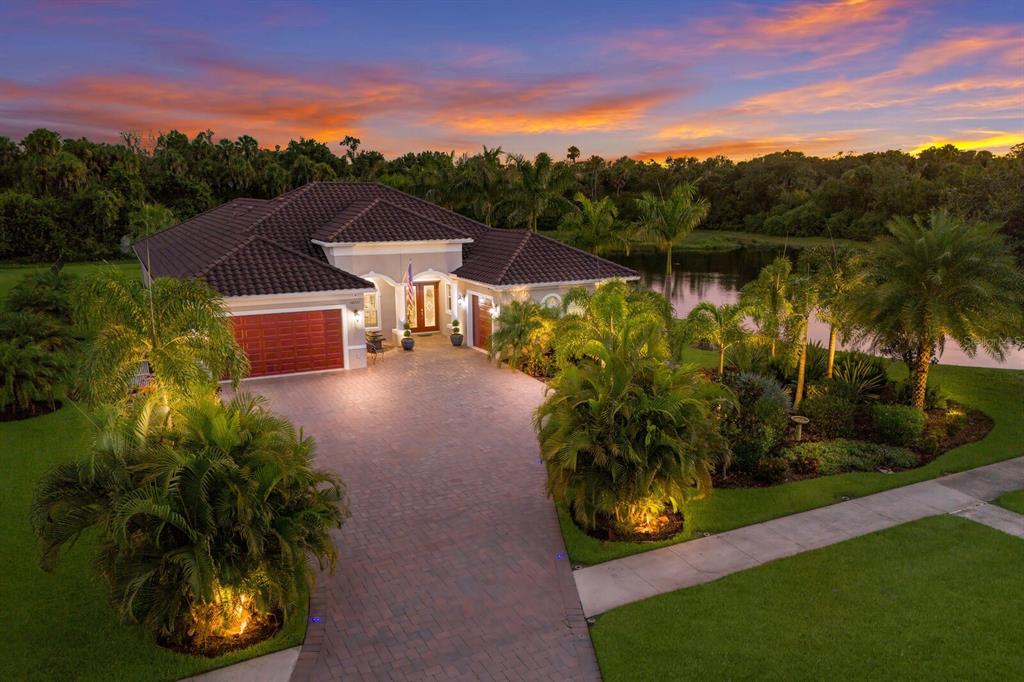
column 495, row 311
column 462, row 302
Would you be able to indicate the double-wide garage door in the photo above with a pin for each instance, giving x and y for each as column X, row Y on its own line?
column 282, row 343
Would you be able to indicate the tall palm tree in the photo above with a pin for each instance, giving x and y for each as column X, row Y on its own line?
column 721, row 326
column 624, row 435
column 148, row 219
column 179, row 328
column 837, row 274
column 939, row 277
column 486, row 183
column 537, row 187
column 205, row 522
column 591, row 226
column 766, row 299
column 667, row 222
column 803, row 298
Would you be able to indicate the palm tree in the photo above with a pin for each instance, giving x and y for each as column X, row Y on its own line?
column 667, row 222
column 591, row 226
column 486, row 182
column 573, row 153
column 939, row 277
column 537, row 187
column 517, row 323
column 28, row 374
column 838, row 273
column 204, row 527
column 802, row 296
column 623, row 435
column 179, row 328
column 766, row 299
column 148, row 219
column 721, row 326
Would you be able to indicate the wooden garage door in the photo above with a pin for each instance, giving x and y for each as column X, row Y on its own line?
column 481, row 322
column 282, row 343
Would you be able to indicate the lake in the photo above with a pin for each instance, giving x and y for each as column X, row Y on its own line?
column 718, row 276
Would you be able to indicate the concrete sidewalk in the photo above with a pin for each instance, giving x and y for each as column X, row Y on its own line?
column 615, row 583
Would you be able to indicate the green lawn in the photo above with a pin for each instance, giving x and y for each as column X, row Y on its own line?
column 60, row 627
column 11, row 274
column 998, row 393
column 1013, row 501
column 935, row 599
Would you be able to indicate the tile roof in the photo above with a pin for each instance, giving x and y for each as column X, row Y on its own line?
column 255, row 246
column 508, row 257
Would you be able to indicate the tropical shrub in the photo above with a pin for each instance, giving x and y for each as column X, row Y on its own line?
column 898, row 424
column 27, row 327
column 516, row 337
column 771, row 470
column 758, row 424
column 624, row 435
column 47, row 292
column 934, row 397
column 831, row 416
column 205, row 517
column 841, row 455
column 179, row 328
column 858, row 377
column 29, row 374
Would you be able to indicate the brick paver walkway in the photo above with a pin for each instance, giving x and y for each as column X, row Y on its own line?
column 452, row 565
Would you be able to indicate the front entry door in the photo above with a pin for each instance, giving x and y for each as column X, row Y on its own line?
column 481, row 308
column 423, row 315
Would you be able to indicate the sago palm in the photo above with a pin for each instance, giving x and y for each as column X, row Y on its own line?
column 721, row 326
column 667, row 222
column 939, row 277
column 213, row 510
column 178, row 327
column 623, row 435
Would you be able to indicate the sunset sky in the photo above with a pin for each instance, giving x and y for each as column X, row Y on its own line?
column 642, row 79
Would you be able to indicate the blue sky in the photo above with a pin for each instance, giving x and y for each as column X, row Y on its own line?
column 659, row 79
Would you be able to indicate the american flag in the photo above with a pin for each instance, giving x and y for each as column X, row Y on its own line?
column 410, row 289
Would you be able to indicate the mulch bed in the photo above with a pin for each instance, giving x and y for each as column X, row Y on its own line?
column 671, row 526
column 36, row 409
column 213, row 647
column 977, row 426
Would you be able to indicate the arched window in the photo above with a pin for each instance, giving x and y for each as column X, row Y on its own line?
column 553, row 301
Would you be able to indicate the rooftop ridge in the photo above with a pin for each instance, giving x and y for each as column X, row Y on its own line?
column 514, row 256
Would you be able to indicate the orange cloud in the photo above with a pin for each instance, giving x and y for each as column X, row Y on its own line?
column 832, row 143
column 603, row 114
column 994, row 141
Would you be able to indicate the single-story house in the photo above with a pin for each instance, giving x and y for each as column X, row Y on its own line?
column 306, row 274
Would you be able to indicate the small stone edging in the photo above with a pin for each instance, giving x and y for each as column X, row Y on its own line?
column 275, row 667
column 622, row 581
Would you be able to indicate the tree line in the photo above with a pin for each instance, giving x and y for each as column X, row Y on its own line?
column 75, row 199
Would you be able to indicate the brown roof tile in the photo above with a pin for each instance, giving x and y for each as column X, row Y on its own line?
column 253, row 246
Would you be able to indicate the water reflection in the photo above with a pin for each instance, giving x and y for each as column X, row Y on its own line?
column 718, row 276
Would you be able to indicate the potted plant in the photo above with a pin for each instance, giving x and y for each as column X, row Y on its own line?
column 375, row 339
column 456, row 333
column 407, row 341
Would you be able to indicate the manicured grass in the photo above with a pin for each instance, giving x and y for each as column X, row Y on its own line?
column 59, row 626
column 1013, row 501
column 999, row 393
column 934, row 599
column 12, row 274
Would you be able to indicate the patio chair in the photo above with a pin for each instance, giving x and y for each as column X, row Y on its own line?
column 373, row 353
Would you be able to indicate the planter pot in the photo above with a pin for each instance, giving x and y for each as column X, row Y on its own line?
column 456, row 339
column 408, row 342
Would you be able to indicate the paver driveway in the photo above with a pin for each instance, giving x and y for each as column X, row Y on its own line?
column 452, row 565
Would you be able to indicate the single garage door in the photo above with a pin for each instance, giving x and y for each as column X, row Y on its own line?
column 282, row 343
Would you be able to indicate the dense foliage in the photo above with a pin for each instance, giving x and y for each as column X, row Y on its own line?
column 624, row 435
column 204, row 515
column 78, row 199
